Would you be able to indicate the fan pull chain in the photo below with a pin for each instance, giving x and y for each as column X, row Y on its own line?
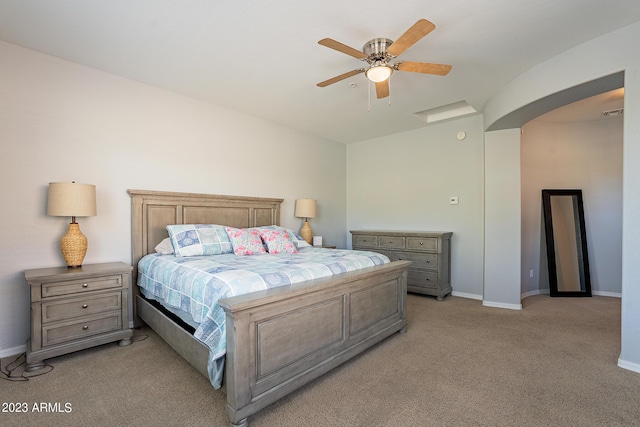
column 369, row 94
column 389, row 83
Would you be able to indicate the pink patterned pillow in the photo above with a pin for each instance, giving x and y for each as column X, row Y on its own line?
column 245, row 241
column 278, row 241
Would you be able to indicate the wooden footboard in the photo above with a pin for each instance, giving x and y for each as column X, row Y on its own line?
column 282, row 338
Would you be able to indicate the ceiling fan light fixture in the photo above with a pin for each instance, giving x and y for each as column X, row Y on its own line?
column 380, row 54
column 379, row 73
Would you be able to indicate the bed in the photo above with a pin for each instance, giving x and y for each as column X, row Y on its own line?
column 280, row 338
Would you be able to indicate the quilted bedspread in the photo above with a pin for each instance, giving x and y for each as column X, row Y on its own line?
column 194, row 285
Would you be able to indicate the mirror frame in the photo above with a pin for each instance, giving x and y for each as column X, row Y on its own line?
column 581, row 236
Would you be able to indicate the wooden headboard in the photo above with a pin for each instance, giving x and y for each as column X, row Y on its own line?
column 152, row 211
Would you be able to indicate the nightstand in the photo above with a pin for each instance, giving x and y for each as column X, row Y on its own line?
column 76, row 308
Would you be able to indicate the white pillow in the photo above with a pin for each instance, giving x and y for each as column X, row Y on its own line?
column 165, row 247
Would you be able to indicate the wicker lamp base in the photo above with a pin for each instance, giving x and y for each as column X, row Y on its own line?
column 306, row 233
column 73, row 245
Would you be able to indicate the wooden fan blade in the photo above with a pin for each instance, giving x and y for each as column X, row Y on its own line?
column 382, row 89
column 330, row 43
column 424, row 67
column 340, row 77
column 412, row 35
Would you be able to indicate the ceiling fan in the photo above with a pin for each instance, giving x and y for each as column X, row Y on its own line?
column 379, row 53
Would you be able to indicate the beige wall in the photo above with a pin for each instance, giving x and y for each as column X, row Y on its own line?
column 60, row 121
column 404, row 181
column 502, row 218
column 585, row 155
column 600, row 57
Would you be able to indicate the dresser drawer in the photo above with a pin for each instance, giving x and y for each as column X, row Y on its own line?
column 365, row 241
column 82, row 306
column 422, row 244
column 391, row 242
column 420, row 260
column 80, row 328
column 423, row 279
column 51, row 289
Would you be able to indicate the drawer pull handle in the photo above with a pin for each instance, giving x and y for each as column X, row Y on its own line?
column 85, row 327
column 421, row 243
column 84, row 306
column 85, row 285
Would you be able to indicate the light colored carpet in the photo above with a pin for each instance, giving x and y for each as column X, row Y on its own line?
column 459, row 364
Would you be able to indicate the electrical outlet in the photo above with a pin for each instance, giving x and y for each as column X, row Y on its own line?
column 530, row 273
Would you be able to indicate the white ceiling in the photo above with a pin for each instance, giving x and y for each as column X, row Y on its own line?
column 588, row 109
column 262, row 57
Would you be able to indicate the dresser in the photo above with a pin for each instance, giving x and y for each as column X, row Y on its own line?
column 76, row 308
column 429, row 252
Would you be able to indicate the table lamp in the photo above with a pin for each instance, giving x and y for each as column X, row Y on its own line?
column 72, row 199
column 306, row 208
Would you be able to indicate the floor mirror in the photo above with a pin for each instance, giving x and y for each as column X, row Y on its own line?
column 566, row 240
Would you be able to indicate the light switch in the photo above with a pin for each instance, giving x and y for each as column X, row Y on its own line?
column 453, row 200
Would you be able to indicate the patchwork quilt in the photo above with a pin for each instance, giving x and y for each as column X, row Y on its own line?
column 193, row 285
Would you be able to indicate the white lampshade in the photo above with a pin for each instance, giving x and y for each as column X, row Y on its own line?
column 306, row 208
column 71, row 199
column 379, row 73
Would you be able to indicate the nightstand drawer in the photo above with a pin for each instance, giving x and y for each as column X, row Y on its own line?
column 91, row 325
column 422, row 243
column 423, row 279
column 52, row 289
column 426, row 261
column 365, row 241
column 391, row 242
column 75, row 307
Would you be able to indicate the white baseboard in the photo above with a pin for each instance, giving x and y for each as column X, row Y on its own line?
column 502, row 305
column 7, row 352
column 465, row 295
column 607, row 294
column 487, row 303
column 533, row 293
column 595, row 293
column 629, row 366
